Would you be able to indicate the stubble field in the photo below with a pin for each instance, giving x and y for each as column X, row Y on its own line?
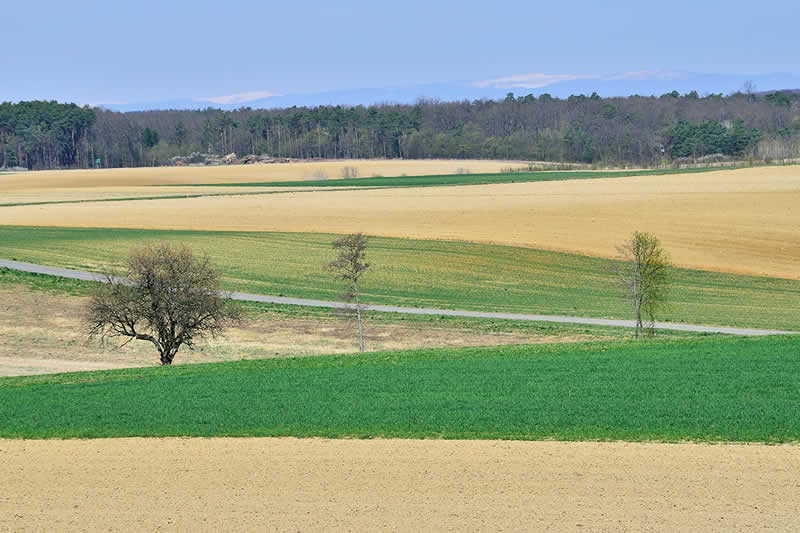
column 301, row 170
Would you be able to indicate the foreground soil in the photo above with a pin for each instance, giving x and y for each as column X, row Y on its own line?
column 317, row 484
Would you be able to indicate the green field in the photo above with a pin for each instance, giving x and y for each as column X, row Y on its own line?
column 459, row 179
column 730, row 389
column 419, row 273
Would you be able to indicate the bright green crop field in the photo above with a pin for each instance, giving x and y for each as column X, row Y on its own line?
column 420, row 273
column 707, row 389
column 461, row 179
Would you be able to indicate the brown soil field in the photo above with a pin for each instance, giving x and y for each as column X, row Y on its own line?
column 127, row 177
column 41, row 333
column 743, row 221
column 397, row 485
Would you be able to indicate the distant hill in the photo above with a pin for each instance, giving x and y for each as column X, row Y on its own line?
column 644, row 83
column 784, row 91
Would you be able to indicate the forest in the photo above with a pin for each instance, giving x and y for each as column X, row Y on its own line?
column 640, row 130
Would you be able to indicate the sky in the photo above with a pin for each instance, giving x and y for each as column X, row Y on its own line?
column 230, row 52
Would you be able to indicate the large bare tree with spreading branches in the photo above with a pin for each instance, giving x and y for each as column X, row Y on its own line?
column 643, row 274
column 349, row 266
column 166, row 296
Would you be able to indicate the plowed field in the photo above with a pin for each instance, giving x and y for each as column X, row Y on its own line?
column 397, row 485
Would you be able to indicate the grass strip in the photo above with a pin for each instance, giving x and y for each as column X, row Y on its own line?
column 461, row 179
column 720, row 389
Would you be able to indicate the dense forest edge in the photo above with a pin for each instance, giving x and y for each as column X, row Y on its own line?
column 670, row 129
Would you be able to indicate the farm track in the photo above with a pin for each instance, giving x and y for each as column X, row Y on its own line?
column 89, row 276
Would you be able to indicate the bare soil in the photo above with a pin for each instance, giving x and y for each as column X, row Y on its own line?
column 42, row 333
column 397, row 485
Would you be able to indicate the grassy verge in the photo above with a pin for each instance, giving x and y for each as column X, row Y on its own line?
column 732, row 389
column 437, row 274
column 460, row 179
column 258, row 310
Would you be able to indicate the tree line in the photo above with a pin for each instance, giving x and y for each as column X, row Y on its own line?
column 643, row 130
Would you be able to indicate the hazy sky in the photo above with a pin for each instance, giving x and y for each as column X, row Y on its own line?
column 117, row 51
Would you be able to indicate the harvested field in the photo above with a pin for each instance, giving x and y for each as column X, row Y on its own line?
column 95, row 194
column 128, row 177
column 317, row 484
column 741, row 221
column 42, row 333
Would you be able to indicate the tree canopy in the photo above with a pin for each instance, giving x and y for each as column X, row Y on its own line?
column 580, row 128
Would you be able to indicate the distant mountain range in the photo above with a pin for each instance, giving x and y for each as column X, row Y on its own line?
column 643, row 83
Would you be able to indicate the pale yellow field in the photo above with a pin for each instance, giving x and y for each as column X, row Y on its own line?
column 127, row 177
column 94, row 193
column 743, row 221
column 262, row 484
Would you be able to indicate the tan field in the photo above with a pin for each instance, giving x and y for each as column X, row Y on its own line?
column 301, row 170
column 89, row 194
column 42, row 333
column 397, row 485
column 743, row 221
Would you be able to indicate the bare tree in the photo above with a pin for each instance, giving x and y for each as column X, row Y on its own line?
column 349, row 266
column 168, row 297
column 644, row 275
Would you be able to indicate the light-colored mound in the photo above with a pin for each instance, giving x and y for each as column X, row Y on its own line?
column 302, row 170
column 43, row 333
column 744, row 221
column 398, row 485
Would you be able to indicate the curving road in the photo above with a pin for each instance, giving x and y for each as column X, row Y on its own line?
column 88, row 276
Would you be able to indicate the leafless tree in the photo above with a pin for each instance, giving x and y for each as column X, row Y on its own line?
column 168, row 296
column 644, row 275
column 349, row 266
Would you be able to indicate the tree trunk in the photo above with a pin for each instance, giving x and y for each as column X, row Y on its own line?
column 167, row 355
column 358, row 315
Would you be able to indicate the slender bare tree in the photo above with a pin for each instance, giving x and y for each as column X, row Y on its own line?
column 349, row 266
column 643, row 274
column 168, row 297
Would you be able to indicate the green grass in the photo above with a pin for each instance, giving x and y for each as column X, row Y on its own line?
column 422, row 273
column 732, row 389
column 457, row 179
column 427, row 274
column 258, row 310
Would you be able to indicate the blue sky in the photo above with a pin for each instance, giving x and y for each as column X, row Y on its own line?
column 88, row 52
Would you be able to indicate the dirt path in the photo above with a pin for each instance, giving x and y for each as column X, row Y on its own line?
column 316, row 484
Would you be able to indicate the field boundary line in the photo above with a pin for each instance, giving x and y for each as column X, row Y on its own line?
column 283, row 300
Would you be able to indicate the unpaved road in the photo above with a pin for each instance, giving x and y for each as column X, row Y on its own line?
column 400, row 485
column 88, row 276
